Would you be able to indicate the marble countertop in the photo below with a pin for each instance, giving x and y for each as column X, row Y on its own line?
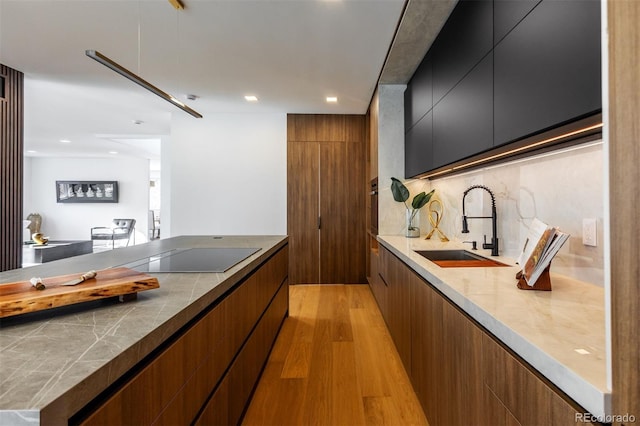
column 549, row 329
column 54, row 362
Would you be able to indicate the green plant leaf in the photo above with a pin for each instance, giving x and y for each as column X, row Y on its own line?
column 420, row 200
column 399, row 191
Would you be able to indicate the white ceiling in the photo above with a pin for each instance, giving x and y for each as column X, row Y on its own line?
column 291, row 54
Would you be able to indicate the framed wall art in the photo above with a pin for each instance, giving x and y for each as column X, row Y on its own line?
column 97, row 191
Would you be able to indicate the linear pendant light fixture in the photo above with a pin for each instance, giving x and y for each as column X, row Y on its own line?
column 177, row 4
column 97, row 56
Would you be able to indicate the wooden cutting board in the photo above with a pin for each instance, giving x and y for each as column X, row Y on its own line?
column 21, row 297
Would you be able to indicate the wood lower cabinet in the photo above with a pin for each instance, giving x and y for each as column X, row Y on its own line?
column 221, row 354
column 461, row 374
column 228, row 402
column 378, row 287
column 446, row 368
column 427, row 337
column 495, row 413
column 462, row 349
column 395, row 276
column 529, row 399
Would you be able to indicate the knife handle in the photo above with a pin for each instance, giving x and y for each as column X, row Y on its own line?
column 89, row 275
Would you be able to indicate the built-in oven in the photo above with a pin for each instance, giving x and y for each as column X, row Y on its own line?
column 374, row 206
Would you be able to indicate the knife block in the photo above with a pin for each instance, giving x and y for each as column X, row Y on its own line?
column 543, row 283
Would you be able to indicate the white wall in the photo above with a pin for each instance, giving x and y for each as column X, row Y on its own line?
column 74, row 221
column 227, row 175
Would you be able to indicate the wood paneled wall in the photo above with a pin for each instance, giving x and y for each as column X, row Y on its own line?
column 11, row 167
column 327, row 179
column 624, row 175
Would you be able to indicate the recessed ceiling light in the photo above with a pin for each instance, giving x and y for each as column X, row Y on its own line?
column 65, row 141
column 137, row 121
column 113, row 152
column 332, row 99
column 251, row 98
column 31, row 151
column 192, row 97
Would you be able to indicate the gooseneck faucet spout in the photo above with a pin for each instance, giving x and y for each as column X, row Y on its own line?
column 494, row 220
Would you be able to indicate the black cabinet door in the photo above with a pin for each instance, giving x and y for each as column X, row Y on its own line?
column 547, row 70
column 507, row 14
column 464, row 40
column 463, row 120
column 418, row 96
column 418, row 145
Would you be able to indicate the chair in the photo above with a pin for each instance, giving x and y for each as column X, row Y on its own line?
column 120, row 229
column 154, row 226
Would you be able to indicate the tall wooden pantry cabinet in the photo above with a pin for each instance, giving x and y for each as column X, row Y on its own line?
column 326, row 198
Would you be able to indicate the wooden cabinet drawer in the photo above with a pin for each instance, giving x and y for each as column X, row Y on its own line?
column 228, row 402
column 395, row 275
column 527, row 397
column 156, row 385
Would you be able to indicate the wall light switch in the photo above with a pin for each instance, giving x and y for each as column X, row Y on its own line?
column 589, row 232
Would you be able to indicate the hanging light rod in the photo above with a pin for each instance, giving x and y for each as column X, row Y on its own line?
column 94, row 54
column 177, row 4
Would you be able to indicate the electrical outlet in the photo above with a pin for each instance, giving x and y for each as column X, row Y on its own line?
column 589, row 232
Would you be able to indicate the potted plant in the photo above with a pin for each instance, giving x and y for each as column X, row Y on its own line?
column 401, row 195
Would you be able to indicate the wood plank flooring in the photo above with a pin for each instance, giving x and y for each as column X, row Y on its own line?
column 334, row 363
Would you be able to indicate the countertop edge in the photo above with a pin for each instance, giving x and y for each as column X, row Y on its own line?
column 589, row 396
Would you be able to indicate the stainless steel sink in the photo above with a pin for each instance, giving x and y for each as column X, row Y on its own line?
column 449, row 255
column 458, row 259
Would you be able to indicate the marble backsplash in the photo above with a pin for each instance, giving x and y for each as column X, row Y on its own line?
column 560, row 188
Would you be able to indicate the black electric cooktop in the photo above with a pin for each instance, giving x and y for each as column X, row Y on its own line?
column 193, row 260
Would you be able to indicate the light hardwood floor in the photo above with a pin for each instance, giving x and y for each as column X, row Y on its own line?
column 334, row 363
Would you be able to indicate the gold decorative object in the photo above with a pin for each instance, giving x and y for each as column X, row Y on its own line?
column 40, row 239
column 436, row 213
column 36, row 222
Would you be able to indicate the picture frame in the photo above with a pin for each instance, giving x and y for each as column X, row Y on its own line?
column 94, row 191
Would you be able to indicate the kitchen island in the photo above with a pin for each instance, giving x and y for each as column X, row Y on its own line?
column 69, row 364
column 559, row 333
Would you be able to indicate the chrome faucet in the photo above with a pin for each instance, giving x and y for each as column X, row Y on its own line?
column 494, row 220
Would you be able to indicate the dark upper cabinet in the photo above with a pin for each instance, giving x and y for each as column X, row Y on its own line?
column 464, row 40
column 418, row 96
column 501, row 71
column 547, row 70
column 507, row 14
column 418, row 147
column 463, row 120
